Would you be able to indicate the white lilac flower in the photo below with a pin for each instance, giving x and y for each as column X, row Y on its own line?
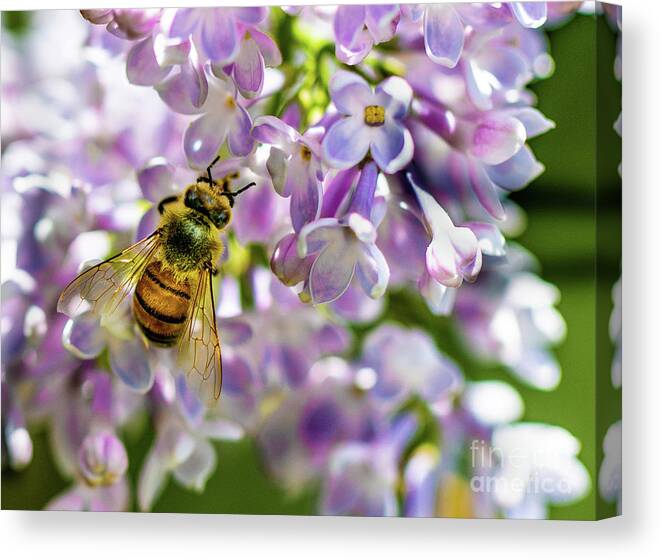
column 537, row 466
column 610, row 472
column 508, row 315
column 407, row 363
column 615, row 330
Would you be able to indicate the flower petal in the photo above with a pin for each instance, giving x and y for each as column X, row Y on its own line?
column 485, row 190
column 267, row 47
column 287, row 265
column 516, row 172
column 348, row 22
column 444, row 34
column 142, row 68
column 372, row 271
column 391, row 146
column 198, row 467
column 497, row 138
column 83, row 336
column 396, row 96
column 381, row 21
column 156, row 179
column 534, row 121
column 350, row 93
column 147, row 224
column 128, row 360
column 277, row 167
column 203, row 138
column 239, row 140
column 529, row 14
column 249, row 68
column 305, row 201
column 346, row 142
column 271, row 130
column 332, row 272
column 217, row 36
column 184, row 91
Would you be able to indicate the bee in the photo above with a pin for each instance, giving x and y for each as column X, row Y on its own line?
column 170, row 274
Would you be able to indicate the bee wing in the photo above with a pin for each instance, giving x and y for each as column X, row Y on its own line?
column 199, row 346
column 105, row 285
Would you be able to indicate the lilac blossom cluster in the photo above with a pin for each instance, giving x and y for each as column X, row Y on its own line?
column 383, row 141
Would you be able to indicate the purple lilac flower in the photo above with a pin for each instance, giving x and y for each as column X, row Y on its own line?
column 295, row 167
column 216, row 32
column 346, row 246
column 362, row 477
column 445, row 25
column 407, row 363
column 223, row 117
column 125, row 24
column 372, row 121
column 358, row 28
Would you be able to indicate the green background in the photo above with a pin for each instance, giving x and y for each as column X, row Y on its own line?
column 583, row 98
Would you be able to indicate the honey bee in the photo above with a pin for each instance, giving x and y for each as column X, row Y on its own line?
column 170, row 274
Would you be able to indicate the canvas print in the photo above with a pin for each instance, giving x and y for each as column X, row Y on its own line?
column 313, row 260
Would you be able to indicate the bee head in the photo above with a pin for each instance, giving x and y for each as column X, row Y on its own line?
column 205, row 199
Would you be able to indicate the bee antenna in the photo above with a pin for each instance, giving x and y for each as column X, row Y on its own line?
column 242, row 189
column 214, row 162
column 232, row 194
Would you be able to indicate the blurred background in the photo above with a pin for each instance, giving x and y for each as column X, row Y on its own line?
column 584, row 101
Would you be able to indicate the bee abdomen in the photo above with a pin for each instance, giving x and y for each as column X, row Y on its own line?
column 160, row 305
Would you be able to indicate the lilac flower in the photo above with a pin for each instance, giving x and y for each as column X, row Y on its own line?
column 453, row 254
column 445, row 24
column 372, row 121
column 489, row 156
column 223, row 117
column 309, row 423
column 407, row 363
column 510, row 316
column 86, row 336
column 358, row 28
column 215, row 32
column 295, row 167
column 128, row 24
column 346, row 246
column 610, row 471
column 362, row 477
column 615, row 331
column 256, row 51
column 181, row 448
column 103, row 459
column 545, row 471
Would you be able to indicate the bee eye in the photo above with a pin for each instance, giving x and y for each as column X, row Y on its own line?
column 192, row 200
column 220, row 218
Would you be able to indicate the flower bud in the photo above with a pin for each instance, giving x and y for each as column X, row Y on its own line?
column 102, row 459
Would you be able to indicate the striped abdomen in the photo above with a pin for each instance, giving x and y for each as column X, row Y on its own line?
column 160, row 305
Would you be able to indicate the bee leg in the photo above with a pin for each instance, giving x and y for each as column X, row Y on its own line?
column 211, row 268
column 162, row 203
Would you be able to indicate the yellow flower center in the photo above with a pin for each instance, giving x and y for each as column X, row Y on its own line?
column 375, row 115
column 306, row 154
